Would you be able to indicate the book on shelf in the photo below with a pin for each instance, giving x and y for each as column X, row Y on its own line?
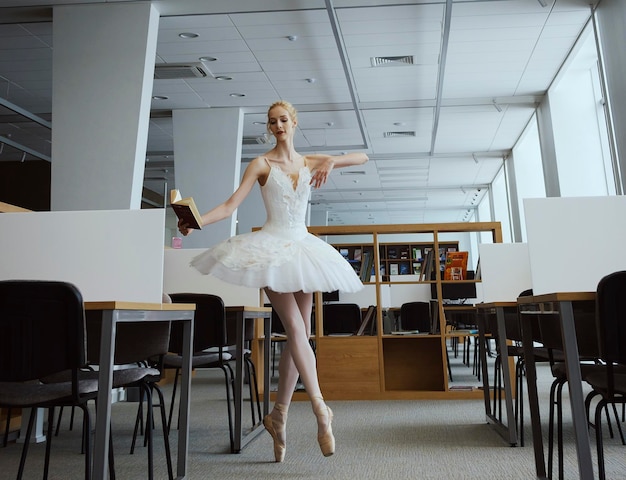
column 404, row 268
column 366, row 266
column 186, row 210
column 368, row 320
column 455, row 266
column 357, row 254
column 393, row 269
column 428, row 266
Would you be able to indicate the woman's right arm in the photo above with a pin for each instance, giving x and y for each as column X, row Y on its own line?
column 256, row 170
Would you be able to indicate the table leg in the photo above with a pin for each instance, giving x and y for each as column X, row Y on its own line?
column 185, row 401
column 483, row 365
column 506, row 377
column 105, row 381
column 239, row 375
column 267, row 348
column 533, row 400
column 574, row 382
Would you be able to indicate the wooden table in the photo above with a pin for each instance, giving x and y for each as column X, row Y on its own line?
column 561, row 304
column 244, row 314
column 508, row 430
column 121, row 312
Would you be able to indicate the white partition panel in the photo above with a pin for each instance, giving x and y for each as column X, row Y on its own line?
column 505, row 271
column 574, row 241
column 179, row 277
column 107, row 254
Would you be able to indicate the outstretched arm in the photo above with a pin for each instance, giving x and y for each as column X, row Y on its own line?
column 255, row 170
column 322, row 165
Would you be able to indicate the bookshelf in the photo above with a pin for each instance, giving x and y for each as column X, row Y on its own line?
column 385, row 366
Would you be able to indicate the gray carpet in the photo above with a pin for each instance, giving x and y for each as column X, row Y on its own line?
column 375, row 440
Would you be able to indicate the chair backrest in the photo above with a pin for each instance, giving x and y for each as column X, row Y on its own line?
column 341, row 318
column 134, row 342
column 42, row 329
column 415, row 316
column 209, row 322
column 611, row 317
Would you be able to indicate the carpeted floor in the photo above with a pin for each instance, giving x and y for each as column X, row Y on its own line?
column 375, row 440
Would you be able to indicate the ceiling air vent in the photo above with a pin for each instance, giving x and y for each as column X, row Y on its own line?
column 392, row 61
column 398, row 134
column 255, row 140
column 169, row 71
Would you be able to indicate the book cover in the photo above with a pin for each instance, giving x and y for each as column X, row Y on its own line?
column 455, row 266
column 186, row 210
column 366, row 266
column 393, row 269
column 368, row 319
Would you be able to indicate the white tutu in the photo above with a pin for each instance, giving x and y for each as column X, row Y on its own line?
column 282, row 256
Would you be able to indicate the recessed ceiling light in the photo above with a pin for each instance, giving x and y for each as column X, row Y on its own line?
column 399, row 124
column 311, row 80
column 207, row 59
column 188, row 35
column 258, row 123
column 330, row 124
column 223, row 77
column 159, row 97
column 292, row 38
column 237, row 94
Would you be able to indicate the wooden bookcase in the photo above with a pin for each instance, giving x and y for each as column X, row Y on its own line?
column 387, row 366
column 395, row 258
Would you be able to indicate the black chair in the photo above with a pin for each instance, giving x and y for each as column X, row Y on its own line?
column 341, row 318
column 42, row 332
column 611, row 331
column 213, row 347
column 415, row 316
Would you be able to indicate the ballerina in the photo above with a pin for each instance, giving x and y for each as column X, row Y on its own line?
column 286, row 261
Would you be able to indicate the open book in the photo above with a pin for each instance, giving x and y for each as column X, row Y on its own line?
column 185, row 209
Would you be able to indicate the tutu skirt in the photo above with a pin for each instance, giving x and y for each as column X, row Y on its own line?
column 262, row 259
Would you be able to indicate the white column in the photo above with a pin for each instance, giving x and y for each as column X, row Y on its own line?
column 207, row 157
column 103, row 68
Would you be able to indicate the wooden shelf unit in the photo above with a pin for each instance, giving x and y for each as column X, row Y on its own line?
column 390, row 366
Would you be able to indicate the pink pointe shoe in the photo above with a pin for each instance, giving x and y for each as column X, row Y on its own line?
column 327, row 439
column 277, row 430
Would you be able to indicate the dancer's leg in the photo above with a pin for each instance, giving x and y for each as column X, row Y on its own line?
column 287, row 378
column 288, row 308
column 287, row 372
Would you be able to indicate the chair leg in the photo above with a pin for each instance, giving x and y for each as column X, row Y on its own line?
column 138, row 422
column 87, row 441
column 29, row 431
column 6, row 428
column 46, row 463
column 169, row 421
column 254, row 391
column 230, row 387
column 599, row 445
column 166, row 439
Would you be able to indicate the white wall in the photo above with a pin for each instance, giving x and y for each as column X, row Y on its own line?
column 107, row 254
column 573, row 242
column 505, row 271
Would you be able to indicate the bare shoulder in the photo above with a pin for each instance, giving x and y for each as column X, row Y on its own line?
column 259, row 168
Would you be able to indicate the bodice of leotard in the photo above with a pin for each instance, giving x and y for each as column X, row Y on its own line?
column 285, row 202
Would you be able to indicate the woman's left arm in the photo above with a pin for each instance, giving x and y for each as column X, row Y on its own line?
column 322, row 165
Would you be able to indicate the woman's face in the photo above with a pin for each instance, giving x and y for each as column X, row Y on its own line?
column 280, row 123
